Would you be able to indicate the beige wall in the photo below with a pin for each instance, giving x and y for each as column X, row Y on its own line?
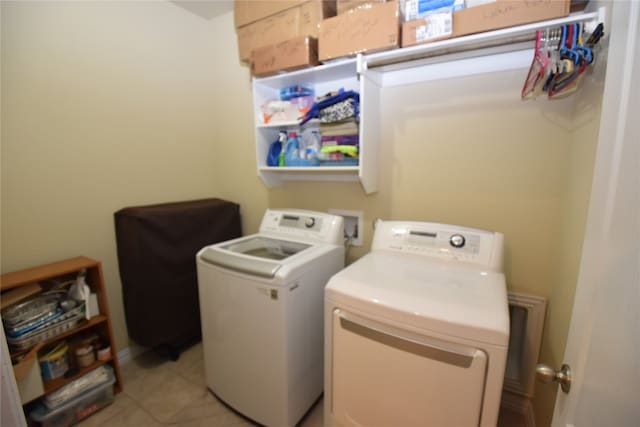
column 583, row 122
column 106, row 105
column 113, row 104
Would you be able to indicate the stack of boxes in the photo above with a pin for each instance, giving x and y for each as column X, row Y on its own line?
column 263, row 23
column 284, row 35
column 475, row 16
column 279, row 34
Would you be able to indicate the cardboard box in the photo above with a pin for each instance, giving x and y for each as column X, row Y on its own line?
column 360, row 30
column 247, row 11
column 491, row 16
column 506, row 13
column 28, row 378
column 418, row 9
column 288, row 55
column 343, row 6
column 302, row 20
column 429, row 29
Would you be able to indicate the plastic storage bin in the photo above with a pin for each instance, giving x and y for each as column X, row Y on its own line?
column 77, row 409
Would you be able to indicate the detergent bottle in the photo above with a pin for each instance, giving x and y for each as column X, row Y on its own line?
column 283, row 142
column 310, row 144
column 275, row 157
column 313, row 145
column 292, row 148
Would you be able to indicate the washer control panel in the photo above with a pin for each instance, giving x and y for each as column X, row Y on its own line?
column 442, row 241
column 301, row 224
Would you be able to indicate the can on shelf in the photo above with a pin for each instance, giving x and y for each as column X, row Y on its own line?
column 84, row 355
column 104, row 353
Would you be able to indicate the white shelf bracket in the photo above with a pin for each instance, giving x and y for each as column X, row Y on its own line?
column 590, row 26
column 361, row 64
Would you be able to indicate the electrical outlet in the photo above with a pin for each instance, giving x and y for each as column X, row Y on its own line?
column 353, row 221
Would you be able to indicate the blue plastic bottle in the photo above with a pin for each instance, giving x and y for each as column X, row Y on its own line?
column 276, row 155
column 291, row 157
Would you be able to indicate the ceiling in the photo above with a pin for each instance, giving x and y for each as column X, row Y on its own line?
column 206, row 9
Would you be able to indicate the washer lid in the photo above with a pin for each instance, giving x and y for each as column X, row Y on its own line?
column 439, row 296
column 256, row 254
column 264, row 247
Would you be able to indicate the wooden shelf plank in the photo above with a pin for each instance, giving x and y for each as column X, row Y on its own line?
column 44, row 272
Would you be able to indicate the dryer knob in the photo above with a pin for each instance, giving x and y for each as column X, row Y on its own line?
column 310, row 222
column 457, row 240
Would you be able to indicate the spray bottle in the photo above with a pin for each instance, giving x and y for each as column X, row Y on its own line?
column 283, row 141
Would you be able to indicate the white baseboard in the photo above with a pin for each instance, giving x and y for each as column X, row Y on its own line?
column 520, row 405
column 127, row 354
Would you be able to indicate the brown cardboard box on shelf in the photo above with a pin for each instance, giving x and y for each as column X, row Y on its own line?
column 360, row 30
column 299, row 52
column 248, row 11
column 302, row 20
column 343, row 6
column 489, row 16
column 425, row 30
column 506, row 13
column 27, row 374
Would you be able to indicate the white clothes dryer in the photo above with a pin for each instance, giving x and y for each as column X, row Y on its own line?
column 261, row 305
column 416, row 331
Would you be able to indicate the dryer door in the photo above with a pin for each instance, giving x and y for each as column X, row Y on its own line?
column 385, row 376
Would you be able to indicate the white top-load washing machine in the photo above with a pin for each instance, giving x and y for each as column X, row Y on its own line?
column 261, row 305
column 416, row 331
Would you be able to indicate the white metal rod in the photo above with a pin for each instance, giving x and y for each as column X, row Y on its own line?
column 473, row 41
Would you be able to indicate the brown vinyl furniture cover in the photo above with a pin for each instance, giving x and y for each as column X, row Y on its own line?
column 157, row 248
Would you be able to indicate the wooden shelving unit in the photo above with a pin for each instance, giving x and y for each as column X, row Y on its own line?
column 99, row 324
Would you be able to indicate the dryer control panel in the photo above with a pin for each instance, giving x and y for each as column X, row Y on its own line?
column 442, row 241
column 302, row 224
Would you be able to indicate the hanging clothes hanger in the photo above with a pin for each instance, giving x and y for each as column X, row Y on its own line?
column 547, row 40
column 595, row 37
column 560, row 59
column 573, row 62
column 571, row 82
column 537, row 69
column 586, row 51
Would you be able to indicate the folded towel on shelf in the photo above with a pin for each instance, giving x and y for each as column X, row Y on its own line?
column 346, row 127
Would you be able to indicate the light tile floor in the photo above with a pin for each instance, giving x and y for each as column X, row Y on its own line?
column 159, row 392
